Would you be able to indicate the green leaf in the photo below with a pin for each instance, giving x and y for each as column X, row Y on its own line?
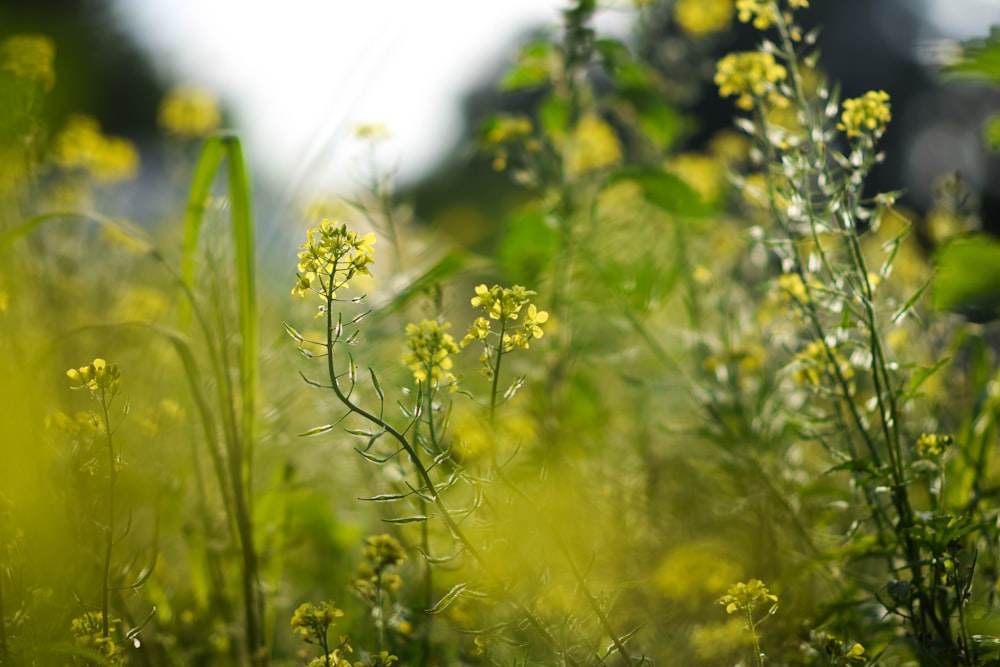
column 922, row 373
column 376, row 385
column 529, row 244
column 445, row 268
column 553, row 116
column 408, row 519
column 968, row 277
column 981, row 61
column 665, row 191
column 316, row 430
column 655, row 118
column 533, row 68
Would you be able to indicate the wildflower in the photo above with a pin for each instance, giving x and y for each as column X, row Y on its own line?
column 189, row 111
column 504, row 304
column 383, row 551
column 932, row 445
column 752, row 77
column 746, row 597
column 593, row 145
column 506, row 129
column 763, row 13
column 814, row 364
column 29, row 58
column 332, row 256
column 82, row 145
column 698, row 18
column 430, row 349
column 88, row 634
column 311, row 622
column 866, row 115
column 101, row 379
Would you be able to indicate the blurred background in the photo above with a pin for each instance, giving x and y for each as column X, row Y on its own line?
column 297, row 81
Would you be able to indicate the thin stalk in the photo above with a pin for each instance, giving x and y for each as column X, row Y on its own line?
column 109, row 529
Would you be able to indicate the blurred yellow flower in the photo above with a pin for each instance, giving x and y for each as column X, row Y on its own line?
column 189, row 111
column 82, row 145
column 29, row 58
column 593, row 145
column 698, row 18
column 704, row 174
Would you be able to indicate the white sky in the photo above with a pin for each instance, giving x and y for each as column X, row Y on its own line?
column 300, row 75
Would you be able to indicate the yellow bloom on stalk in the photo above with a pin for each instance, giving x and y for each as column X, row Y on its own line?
column 430, row 353
column 866, row 115
column 504, row 305
column 593, row 145
column 82, row 145
column 751, row 76
column 29, row 58
column 704, row 174
column 97, row 377
column 189, row 111
column 746, row 597
column 698, row 18
column 932, row 445
column 332, row 256
column 763, row 13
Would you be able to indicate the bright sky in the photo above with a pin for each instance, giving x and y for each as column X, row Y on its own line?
column 300, row 75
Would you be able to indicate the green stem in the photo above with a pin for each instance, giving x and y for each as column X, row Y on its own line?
column 109, row 529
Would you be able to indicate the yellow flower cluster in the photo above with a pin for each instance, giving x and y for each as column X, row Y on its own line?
column 504, row 304
column 814, row 365
column 311, row 622
column 332, row 256
column 752, row 77
column 765, row 13
column 383, row 551
column 189, row 111
column 593, row 145
column 430, row 353
column 932, row 445
column 507, row 128
column 698, row 18
column 82, row 145
column 98, row 377
column 746, row 597
column 29, row 58
column 705, row 175
column 88, row 634
column 868, row 114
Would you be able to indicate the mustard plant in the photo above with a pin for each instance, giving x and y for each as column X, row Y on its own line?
column 755, row 603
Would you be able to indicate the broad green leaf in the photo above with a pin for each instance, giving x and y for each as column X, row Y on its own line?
column 968, row 277
column 528, row 246
column 553, row 116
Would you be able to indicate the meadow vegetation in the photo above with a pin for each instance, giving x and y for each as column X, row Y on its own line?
column 712, row 407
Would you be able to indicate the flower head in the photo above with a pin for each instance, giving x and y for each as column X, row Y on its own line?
column 698, row 18
column 932, row 445
column 189, row 111
column 430, row 349
column 746, row 597
column 332, row 256
column 29, row 58
column 752, row 77
column 311, row 622
column 99, row 378
column 504, row 306
column 866, row 115
column 82, row 145
column 763, row 13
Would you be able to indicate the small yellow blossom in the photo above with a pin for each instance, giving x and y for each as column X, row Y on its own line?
column 311, row 622
column 88, row 634
column 763, row 13
column 593, row 145
column 866, row 115
column 189, row 111
column 429, row 353
column 814, row 365
column 331, row 257
column 932, row 445
column 29, row 58
column 746, row 597
column 698, row 18
column 99, row 378
column 82, row 145
column 752, row 77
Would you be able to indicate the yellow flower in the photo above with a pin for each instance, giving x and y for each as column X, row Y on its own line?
column 705, row 175
column 430, row 349
column 698, row 18
column 752, row 77
column 932, row 445
column 593, row 145
column 763, row 13
column 82, row 145
column 189, row 111
column 866, row 115
column 746, row 597
column 29, row 58
column 97, row 377
column 332, row 256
